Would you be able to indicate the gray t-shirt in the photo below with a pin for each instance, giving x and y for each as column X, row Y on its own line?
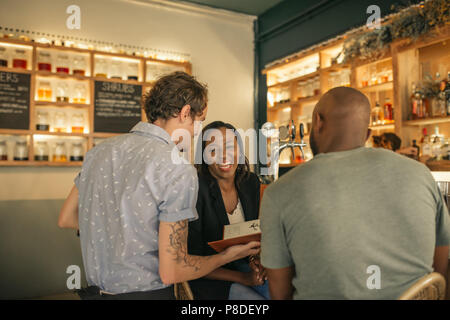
column 354, row 221
column 127, row 185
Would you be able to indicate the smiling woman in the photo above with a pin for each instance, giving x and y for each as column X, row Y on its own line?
column 228, row 194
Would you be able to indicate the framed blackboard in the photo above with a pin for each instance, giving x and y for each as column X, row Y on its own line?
column 14, row 100
column 117, row 106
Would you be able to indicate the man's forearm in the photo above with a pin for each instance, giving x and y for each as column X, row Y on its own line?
column 176, row 264
column 280, row 283
column 440, row 261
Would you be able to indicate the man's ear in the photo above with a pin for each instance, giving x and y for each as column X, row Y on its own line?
column 185, row 113
column 318, row 121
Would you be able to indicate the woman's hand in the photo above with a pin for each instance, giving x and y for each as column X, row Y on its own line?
column 256, row 266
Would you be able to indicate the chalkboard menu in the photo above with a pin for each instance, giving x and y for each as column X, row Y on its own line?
column 14, row 100
column 117, row 106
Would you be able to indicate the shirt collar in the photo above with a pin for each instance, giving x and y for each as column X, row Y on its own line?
column 151, row 130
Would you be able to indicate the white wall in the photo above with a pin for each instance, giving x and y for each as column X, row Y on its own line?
column 221, row 49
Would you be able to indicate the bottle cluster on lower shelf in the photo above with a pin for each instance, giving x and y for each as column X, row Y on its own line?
column 382, row 115
column 42, row 151
column 433, row 147
column 60, row 123
column 431, row 98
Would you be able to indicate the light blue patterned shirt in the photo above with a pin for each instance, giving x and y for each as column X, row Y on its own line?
column 127, row 185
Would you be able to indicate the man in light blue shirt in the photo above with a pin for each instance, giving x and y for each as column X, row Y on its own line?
column 134, row 197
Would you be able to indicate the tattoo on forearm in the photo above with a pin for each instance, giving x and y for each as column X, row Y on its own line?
column 178, row 246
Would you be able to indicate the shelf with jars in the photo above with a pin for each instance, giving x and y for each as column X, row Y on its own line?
column 62, row 90
column 407, row 84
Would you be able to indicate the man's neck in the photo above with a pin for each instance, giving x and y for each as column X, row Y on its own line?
column 339, row 147
column 165, row 125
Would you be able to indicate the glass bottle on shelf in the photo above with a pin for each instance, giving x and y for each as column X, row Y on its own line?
column 377, row 115
column 373, row 75
column 60, row 122
column 3, row 151
column 44, row 61
column 76, row 153
column 316, row 86
column 44, row 91
column 20, row 59
column 365, row 77
column 425, row 106
column 79, row 95
column 60, row 152
column 3, row 57
column 346, row 73
column 390, row 75
column 133, row 71
column 425, row 144
column 441, row 102
column 42, row 121
column 21, row 151
column 388, row 111
column 79, row 66
column 62, row 63
column 62, row 92
column 416, row 103
column 436, row 148
column 41, row 151
column 384, row 75
column 77, row 123
column 101, row 68
column 116, row 70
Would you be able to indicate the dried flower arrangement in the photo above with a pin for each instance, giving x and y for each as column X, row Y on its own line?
column 410, row 23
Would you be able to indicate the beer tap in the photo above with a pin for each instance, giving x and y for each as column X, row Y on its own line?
column 287, row 134
column 291, row 142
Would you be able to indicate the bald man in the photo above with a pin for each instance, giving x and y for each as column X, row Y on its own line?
column 354, row 222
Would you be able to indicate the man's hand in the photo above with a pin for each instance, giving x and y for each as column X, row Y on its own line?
column 408, row 151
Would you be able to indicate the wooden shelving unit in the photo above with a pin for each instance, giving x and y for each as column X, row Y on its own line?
column 403, row 63
column 88, row 137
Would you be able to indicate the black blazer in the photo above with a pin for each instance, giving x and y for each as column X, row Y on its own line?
column 212, row 217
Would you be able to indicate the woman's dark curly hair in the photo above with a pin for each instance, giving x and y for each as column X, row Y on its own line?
column 243, row 168
column 171, row 93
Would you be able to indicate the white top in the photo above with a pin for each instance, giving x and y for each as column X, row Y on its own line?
column 237, row 216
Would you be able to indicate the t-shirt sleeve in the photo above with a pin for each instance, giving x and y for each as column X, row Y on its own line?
column 274, row 249
column 179, row 195
column 442, row 222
